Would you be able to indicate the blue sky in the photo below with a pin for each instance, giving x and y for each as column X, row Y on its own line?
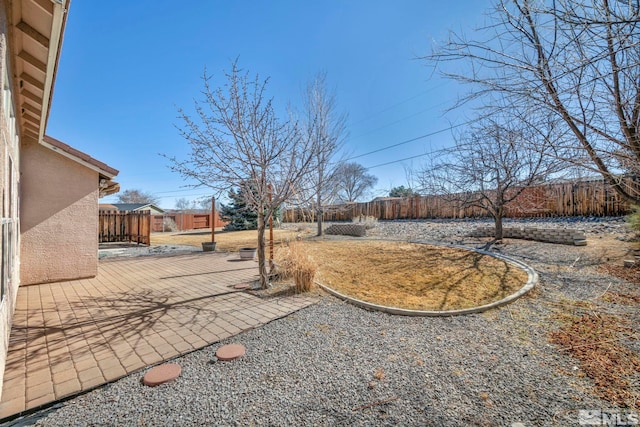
column 124, row 71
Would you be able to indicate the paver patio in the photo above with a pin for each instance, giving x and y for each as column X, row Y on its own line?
column 72, row 336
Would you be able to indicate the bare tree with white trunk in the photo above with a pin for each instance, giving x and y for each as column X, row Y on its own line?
column 576, row 59
column 325, row 127
column 237, row 140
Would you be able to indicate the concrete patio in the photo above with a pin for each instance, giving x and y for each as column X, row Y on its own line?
column 72, row 336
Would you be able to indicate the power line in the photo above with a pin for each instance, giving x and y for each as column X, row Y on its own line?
column 167, row 197
column 350, row 158
column 190, row 195
column 408, row 141
column 398, row 161
column 399, row 103
column 178, row 191
column 397, row 121
column 409, row 158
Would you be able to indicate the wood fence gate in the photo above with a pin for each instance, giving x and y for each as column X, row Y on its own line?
column 124, row 226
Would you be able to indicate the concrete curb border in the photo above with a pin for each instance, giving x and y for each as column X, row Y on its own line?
column 531, row 282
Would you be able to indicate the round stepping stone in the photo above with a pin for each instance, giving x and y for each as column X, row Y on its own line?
column 230, row 351
column 161, row 374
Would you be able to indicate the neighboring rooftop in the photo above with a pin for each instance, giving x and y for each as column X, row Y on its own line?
column 133, row 206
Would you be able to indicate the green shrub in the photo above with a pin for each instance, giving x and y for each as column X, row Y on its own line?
column 634, row 218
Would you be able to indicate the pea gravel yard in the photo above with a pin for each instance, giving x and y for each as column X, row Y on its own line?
column 336, row 364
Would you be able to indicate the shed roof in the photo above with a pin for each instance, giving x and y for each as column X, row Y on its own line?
column 136, row 206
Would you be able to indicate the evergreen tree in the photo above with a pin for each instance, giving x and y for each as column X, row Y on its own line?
column 237, row 213
column 402, row 191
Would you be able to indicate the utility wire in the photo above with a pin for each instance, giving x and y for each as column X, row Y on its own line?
column 178, row 191
column 406, row 158
column 398, row 161
column 390, row 107
column 350, row 158
column 190, row 195
column 408, row 141
column 397, row 121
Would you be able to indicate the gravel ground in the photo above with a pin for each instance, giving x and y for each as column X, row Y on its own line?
column 109, row 250
column 457, row 231
column 335, row 364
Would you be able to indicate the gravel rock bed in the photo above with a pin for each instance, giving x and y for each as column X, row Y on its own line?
column 135, row 251
column 457, row 231
column 336, row 364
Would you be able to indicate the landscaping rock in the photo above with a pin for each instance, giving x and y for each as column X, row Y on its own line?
column 314, row 367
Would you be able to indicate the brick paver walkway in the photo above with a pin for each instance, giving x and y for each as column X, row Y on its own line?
column 72, row 336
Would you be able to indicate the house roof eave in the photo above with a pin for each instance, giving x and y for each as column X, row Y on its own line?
column 78, row 156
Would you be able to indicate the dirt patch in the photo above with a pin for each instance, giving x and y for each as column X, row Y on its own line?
column 596, row 340
column 630, row 274
column 607, row 248
column 413, row 276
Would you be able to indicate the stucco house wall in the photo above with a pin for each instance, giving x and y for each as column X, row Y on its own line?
column 9, row 177
column 59, row 217
column 48, row 190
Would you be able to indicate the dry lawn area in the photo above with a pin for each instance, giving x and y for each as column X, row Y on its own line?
column 413, row 276
column 226, row 241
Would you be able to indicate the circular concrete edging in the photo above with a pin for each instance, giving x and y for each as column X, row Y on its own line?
column 531, row 282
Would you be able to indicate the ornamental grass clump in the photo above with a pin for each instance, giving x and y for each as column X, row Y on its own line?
column 294, row 262
column 368, row 221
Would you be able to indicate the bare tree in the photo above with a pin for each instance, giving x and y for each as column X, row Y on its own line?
column 578, row 59
column 137, row 196
column 325, row 128
column 184, row 205
column 353, row 181
column 237, row 141
column 490, row 167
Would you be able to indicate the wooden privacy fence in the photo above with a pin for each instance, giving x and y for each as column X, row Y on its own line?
column 575, row 198
column 124, row 226
column 184, row 221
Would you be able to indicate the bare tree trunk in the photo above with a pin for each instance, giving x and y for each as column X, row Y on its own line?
column 262, row 265
column 497, row 236
column 319, row 213
column 498, row 222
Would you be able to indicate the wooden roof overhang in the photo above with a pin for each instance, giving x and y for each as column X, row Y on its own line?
column 36, row 30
